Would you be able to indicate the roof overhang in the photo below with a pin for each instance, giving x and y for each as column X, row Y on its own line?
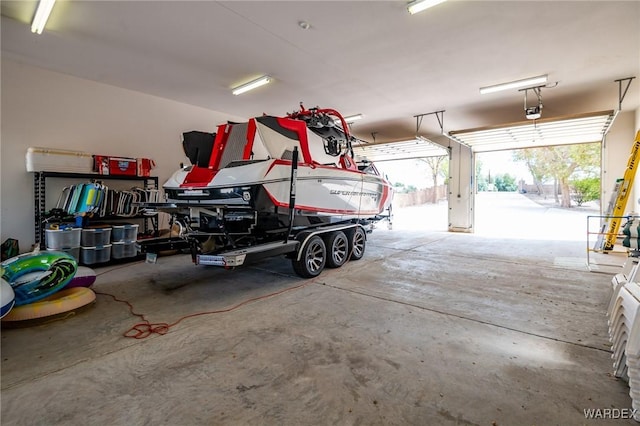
column 419, row 147
column 564, row 130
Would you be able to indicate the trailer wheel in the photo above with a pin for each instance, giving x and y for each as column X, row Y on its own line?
column 313, row 257
column 357, row 243
column 337, row 249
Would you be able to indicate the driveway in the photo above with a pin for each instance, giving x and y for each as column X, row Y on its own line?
column 506, row 215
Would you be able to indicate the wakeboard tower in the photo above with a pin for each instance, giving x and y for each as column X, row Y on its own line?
column 272, row 182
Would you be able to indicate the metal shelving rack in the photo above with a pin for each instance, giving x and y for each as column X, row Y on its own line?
column 40, row 188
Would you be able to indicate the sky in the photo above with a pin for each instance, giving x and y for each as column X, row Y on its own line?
column 408, row 172
column 501, row 162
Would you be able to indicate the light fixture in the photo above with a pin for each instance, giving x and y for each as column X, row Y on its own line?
column 420, row 5
column 349, row 119
column 251, row 85
column 41, row 16
column 527, row 82
column 352, row 118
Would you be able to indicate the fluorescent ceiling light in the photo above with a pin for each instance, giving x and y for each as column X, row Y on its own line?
column 41, row 16
column 420, row 5
column 349, row 119
column 527, row 82
column 352, row 118
column 251, row 85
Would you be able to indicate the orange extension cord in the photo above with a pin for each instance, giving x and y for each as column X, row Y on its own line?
column 145, row 328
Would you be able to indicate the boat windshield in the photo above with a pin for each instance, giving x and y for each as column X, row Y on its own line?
column 368, row 168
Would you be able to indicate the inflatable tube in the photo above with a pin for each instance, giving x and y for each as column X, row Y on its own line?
column 62, row 304
column 34, row 276
column 85, row 277
column 7, row 297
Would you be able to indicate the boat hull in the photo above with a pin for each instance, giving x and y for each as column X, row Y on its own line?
column 265, row 186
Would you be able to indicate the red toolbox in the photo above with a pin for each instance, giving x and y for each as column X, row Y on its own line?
column 123, row 166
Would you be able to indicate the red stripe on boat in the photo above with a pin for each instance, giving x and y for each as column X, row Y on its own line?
column 218, row 147
column 198, row 177
column 251, row 134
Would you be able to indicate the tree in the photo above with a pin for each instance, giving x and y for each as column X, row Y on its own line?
column 439, row 166
column 401, row 188
column 560, row 163
column 506, row 182
column 537, row 165
column 586, row 189
column 481, row 181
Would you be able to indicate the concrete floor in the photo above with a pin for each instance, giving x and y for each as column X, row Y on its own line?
column 428, row 328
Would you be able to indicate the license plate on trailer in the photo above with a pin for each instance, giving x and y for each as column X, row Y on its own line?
column 206, row 259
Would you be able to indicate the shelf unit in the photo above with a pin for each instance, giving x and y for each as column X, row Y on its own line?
column 40, row 190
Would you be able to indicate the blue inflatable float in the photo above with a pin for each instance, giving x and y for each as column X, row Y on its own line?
column 34, row 276
column 7, row 298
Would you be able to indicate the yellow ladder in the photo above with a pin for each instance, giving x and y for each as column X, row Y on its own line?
column 615, row 211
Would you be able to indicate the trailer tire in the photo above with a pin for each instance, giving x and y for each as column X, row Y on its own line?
column 357, row 243
column 312, row 258
column 337, row 249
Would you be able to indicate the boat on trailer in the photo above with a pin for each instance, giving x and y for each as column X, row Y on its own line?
column 269, row 186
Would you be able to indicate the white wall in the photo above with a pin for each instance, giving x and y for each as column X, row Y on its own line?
column 633, row 204
column 47, row 109
column 461, row 189
column 616, row 153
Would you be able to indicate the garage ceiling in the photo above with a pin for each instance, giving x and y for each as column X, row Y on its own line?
column 368, row 57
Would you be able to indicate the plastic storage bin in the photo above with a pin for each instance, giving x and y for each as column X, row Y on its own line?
column 91, row 255
column 124, row 233
column 92, row 237
column 75, row 252
column 121, row 250
column 62, row 238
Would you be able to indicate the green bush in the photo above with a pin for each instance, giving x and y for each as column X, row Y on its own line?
column 506, row 182
column 586, row 189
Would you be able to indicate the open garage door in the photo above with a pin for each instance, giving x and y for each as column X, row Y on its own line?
column 402, row 150
column 565, row 130
column 420, row 199
column 557, row 131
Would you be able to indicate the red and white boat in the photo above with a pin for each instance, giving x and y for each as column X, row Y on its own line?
column 246, row 168
column 244, row 178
